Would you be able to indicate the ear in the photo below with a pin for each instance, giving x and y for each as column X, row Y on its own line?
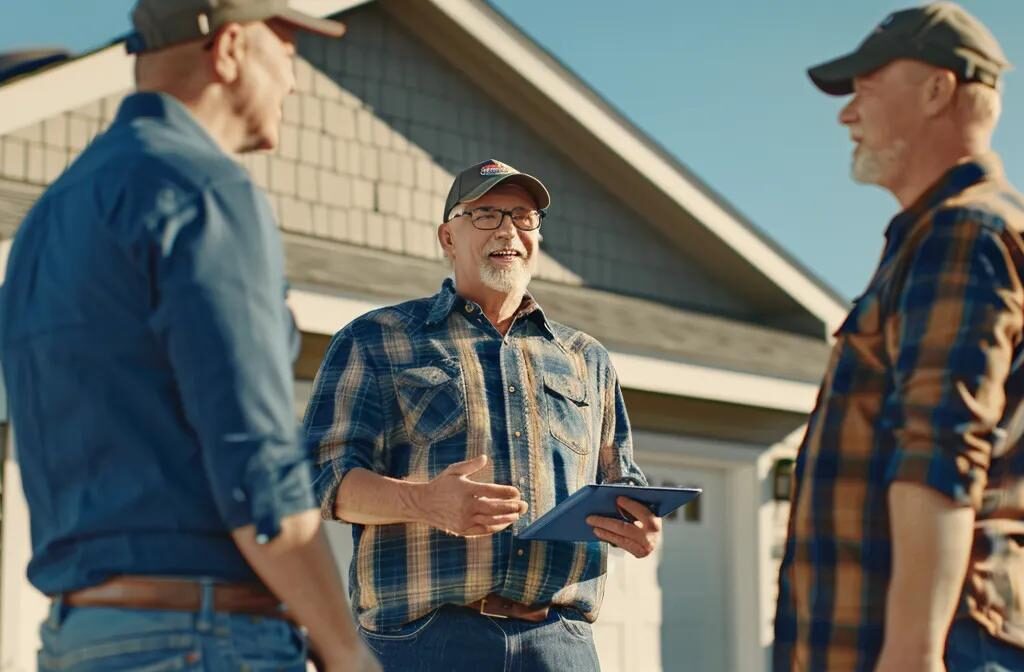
column 938, row 92
column 444, row 236
column 227, row 49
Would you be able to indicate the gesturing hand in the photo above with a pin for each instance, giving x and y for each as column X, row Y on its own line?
column 639, row 537
column 463, row 507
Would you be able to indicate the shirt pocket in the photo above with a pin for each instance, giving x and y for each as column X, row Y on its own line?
column 565, row 397
column 861, row 350
column 432, row 401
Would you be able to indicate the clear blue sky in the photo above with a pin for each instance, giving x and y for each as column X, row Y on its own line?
column 720, row 85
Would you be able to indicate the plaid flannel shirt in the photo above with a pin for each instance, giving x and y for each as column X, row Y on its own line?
column 924, row 385
column 407, row 390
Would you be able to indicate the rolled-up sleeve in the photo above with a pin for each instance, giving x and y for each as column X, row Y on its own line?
column 952, row 341
column 344, row 422
column 220, row 311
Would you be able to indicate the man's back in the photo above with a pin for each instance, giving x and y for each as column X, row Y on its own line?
column 104, row 302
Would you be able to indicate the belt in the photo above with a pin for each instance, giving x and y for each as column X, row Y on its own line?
column 501, row 607
column 141, row 592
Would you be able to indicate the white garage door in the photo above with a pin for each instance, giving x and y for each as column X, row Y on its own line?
column 672, row 614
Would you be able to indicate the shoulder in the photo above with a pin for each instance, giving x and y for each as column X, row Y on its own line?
column 373, row 327
column 992, row 207
column 576, row 341
column 136, row 164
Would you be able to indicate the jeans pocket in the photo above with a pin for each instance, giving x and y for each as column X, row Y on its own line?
column 404, row 632
column 151, row 653
column 574, row 623
column 398, row 644
column 264, row 644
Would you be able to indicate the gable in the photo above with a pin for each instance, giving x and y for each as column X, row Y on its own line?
column 380, row 122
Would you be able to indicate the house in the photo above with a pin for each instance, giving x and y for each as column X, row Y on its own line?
column 719, row 337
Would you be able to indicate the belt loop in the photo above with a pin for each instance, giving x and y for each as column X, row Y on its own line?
column 57, row 612
column 206, row 606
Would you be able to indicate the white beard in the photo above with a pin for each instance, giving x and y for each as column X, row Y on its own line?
column 505, row 280
column 877, row 166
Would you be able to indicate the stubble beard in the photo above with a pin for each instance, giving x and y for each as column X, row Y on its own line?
column 877, row 166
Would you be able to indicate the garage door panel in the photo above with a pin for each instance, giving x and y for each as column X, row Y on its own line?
column 673, row 610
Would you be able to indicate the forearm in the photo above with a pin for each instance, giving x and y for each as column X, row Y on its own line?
column 366, row 498
column 931, row 544
column 299, row 568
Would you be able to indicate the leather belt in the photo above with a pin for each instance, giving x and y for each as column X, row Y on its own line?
column 142, row 592
column 501, row 607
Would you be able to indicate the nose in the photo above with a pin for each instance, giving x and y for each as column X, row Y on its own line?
column 506, row 229
column 848, row 115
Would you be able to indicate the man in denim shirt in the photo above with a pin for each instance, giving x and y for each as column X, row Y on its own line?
column 146, row 348
column 445, row 424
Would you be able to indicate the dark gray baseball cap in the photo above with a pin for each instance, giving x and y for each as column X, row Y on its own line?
column 473, row 182
column 943, row 34
column 164, row 23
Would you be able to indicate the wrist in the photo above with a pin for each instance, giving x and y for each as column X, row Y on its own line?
column 338, row 647
column 417, row 502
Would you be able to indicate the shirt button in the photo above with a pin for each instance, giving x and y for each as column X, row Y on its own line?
column 262, row 538
column 518, row 434
column 512, row 389
column 522, row 481
column 469, row 308
column 520, row 552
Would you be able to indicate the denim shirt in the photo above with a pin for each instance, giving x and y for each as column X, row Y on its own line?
column 408, row 390
column 146, row 348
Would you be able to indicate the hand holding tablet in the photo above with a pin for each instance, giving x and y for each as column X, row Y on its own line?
column 568, row 520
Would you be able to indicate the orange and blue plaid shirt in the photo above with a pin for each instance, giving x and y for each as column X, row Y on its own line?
column 925, row 385
column 408, row 390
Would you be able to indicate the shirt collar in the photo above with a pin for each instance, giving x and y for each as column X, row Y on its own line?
column 165, row 107
column 447, row 300
column 965, row 174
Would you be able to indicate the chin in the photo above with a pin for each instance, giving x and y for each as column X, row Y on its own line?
column 506, row 281
column 261, row 138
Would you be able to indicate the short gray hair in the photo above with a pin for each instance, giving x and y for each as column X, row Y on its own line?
column 979, row 103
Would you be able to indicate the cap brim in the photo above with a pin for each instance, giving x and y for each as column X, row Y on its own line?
column 536, row 188
column 312, row 24
column 835, row 77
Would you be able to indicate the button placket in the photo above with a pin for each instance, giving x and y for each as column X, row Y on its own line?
column 517, row 427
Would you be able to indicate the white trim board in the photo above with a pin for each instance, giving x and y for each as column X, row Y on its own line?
column 319, row 313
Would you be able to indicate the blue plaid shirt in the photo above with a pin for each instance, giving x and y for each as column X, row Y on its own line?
column 408, row 390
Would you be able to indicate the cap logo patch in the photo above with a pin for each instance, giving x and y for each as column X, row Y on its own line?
column 496, row 168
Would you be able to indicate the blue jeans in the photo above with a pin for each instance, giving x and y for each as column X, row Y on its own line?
column 970, row 649
column 91, row 639
column 456, row 639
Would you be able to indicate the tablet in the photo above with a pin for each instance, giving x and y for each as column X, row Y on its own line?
column 568, row 520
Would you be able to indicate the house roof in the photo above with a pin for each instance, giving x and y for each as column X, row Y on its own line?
column 564, row 111
column 625, row 323
column 657, row 348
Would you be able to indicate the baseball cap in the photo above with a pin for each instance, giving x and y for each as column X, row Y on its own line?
column 943, row 34
column 473, row 182
column 164, row 23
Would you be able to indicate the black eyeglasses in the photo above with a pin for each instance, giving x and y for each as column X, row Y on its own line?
column 488, row 219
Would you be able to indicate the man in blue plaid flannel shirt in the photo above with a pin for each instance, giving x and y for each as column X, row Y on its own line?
column 444, row 426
